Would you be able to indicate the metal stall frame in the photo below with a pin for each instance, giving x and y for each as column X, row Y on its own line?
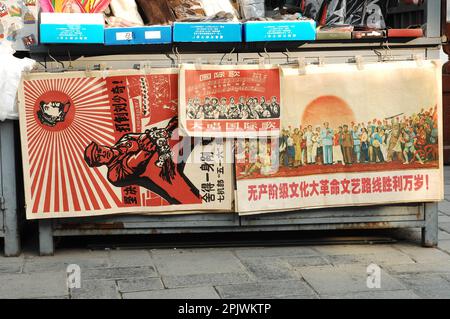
column 424, row 216
column 419, row 215
column 9, row 217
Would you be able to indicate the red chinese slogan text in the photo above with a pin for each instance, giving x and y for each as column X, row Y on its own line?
column 337, row 187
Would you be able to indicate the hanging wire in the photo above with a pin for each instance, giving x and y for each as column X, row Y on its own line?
column 229, row 53
column 57, row 61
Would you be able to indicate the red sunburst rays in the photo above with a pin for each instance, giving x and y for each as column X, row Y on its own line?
column 60, row 180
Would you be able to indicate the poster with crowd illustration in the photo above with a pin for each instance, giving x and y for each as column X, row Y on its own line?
column 348, row 137
column 109, row 143
column 230, row 100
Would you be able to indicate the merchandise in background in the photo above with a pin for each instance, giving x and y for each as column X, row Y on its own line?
column 18, row 23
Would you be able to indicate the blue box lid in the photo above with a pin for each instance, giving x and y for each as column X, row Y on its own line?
column 303, row 30
column 207, row 32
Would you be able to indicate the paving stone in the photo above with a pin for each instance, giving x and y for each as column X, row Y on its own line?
column 427, row 285
column 119, row 273
column 395, row 294
column 11, row 260
column 181, row 293
column 205, row 280
column 37, row 266
column 444, row 219
column 444, row 245
column 275, row 252
column 446, row 276
column 447, row 189
column 6, row 268
column 381, row 259
column 354, row 249
column 139, row 284
column 445, row 227
column 291, row 297
column 96, row 289
column 329, row 280
column 444, row 207
column 130, row 258
column 271, row 289
column 33, row 285
column 441, row 268
column 266, row 269
column 72, row 254
column 424, row 255
column 235, row 273
column 84, row 258
column 206, row 261
column 306, row 261
column 446, row 186
column 443, row 235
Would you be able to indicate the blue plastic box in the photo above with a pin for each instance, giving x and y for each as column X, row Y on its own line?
column 138, row 35
column 303, row 30
column 72, row 28
column 207, row 32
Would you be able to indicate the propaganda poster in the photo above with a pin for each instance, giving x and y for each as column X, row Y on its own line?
column 349, row 136
column 107, row 142
column 230, row 100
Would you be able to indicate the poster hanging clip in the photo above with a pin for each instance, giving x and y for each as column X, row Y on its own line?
column 286, row 54
column 388, row 56
column 301, row 66
column 177, row 56
column 261, row 61
column 359, row 60
column 145, row 68
column 70, row 67
column 88, row 70
column 103, row 70
column 172, row 61
column 198, row 62
column 379, row 55
column 321, row 60
column 419, row 59
column 267, row 54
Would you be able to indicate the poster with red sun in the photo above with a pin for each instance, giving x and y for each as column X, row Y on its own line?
column 109, row 143
column 348, row 137
column 230, row 100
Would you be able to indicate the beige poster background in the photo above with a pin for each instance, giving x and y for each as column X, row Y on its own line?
column 402, row 97
column 107, row 142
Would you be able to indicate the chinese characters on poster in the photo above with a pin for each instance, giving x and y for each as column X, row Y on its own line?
column 230, row 101
column 348, row 137
column 101, row 145
column 156, row 142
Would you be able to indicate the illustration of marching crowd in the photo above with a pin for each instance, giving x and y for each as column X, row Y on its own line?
column 250, row 108
column 400, row 139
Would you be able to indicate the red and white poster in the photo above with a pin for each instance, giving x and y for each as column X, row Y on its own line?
column 230, row 100
column 348, row 137
column 109, row 143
